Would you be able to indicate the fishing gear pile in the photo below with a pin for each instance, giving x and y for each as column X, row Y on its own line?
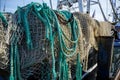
column 41, row 47
column 4, row 49
column 44, row 44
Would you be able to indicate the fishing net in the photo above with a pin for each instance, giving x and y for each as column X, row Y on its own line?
column 5, row 19
column 42, row 43
column 105, row 29
column 88, row 42
column 36, row 59
column 87, row 38
column 35, row 51
column 84, row 24
column 36, row 62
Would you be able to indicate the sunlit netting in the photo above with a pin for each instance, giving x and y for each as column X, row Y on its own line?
column 85, row 24
column 48, row 44
column 86, row 37
column 33, row 62
column 52, row 43
column 5, row 19
column 37, row 56
column 105, row 29
column 34, row 44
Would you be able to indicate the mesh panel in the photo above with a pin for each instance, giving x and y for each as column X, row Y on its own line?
column 3, row 47
column 84, row 21
column 83, row 42
column 36, row 64
column 4, row 41
column 40, row 71
column 32, row 61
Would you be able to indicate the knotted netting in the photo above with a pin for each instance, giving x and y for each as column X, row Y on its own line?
column 5, row 21
column 35, row 62
column 41, row 47
column 48, row 44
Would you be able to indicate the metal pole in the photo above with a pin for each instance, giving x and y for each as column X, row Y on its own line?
column 89, row 71
column 51, row 4
column 102, row 11
column 88, row 6
column 4, row 6
column 116, row 16
column 114, row 5
column 80, row 6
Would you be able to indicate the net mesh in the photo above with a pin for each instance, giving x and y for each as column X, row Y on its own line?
column 87, row 38
column 36, row 62
column 4, row 40
column 33, row 62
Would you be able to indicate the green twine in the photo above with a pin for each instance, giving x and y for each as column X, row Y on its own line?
column 14, row 59
column 18, row 64
column 15, row 51
column 63, row 67
column 3, row 20
column 23, row 19
column 78, row 69
column 48, row 16
column 49, row 34
column 61, row 41
column 11, row 64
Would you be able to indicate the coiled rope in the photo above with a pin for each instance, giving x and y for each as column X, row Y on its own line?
column 52, row 27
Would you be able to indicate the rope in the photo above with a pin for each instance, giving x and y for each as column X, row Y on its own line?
column 23, row 19
column 53, row 28
column 5, row 24
column 78, row 69
column 74, row 35
column 11, row 64
column 14, row 59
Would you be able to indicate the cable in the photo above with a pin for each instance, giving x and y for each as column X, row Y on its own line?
column 102, row 11
column 4, row 6
column 114, row 10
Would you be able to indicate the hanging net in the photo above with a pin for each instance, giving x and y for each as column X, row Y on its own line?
column 5, row 19
column 47, row 44
column 42, row 45
column 35, row 62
